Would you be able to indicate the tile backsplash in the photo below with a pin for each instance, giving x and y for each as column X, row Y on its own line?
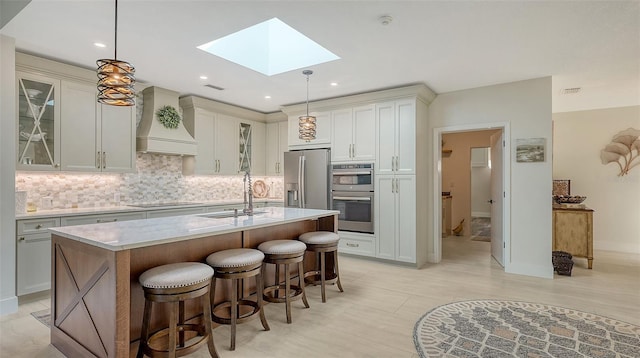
column 158, row 179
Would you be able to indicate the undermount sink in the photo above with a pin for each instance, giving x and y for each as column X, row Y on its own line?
column 228, row 214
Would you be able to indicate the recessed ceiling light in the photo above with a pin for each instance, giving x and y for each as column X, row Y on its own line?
column 267, row 97
column 267, row 48
column 203, row 77
column 99, row 44
column 334, row 84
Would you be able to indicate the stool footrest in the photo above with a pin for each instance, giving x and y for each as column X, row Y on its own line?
column 294, row 295
column 242, row 317
column 180, row 351
column 313, row 277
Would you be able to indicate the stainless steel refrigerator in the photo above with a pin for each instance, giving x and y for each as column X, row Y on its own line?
column 307, row 179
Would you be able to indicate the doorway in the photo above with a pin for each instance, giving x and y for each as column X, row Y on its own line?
column 481, row 194
column 493, row 135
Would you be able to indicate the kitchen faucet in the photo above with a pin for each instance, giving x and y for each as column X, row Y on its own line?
column 248, row 205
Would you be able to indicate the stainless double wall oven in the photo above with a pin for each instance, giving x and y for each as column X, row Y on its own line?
column 353, row 195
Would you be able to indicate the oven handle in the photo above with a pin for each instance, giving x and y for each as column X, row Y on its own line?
column 356, row 198
column 352, row 173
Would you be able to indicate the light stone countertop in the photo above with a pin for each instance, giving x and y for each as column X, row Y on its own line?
column 125, row 208
column 124, row 235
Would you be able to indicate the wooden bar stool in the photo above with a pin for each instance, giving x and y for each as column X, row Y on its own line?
column 284, row 252
column 175, row 283
column 322, row 242
column 237, row 264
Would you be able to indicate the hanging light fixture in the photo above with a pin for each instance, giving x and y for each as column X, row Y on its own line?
column 307, row 124
column 116, row 78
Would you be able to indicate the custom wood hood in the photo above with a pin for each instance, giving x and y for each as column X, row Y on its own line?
column 153, row 136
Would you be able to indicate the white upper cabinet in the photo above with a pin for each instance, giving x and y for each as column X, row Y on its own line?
column 323, row 132
column 258, row 143
column 94, row 137
column 38, row 127
column 276, row 145
column 217, row 138
column 353, row 134
column 396, row 138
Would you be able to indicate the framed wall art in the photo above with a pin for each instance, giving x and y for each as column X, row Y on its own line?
column 530, row 150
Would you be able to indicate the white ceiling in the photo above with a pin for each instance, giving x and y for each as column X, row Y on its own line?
column 448, row 45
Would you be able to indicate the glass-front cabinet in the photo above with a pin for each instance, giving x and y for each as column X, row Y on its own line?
column 38, row 127
column 245, row 148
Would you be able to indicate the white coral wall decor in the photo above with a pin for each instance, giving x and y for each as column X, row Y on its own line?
column 623, row 150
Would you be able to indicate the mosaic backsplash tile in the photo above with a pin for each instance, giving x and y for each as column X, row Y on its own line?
column 158, row 179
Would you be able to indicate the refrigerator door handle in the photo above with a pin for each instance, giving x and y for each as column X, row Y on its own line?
column 303, row 189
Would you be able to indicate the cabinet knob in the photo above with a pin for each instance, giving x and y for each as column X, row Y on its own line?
column 57, row 165
column 39, row 226
column 21, row 238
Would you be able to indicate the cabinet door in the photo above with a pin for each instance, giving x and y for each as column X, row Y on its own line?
column 406, row 218
column 38, row 128
column 406, row 137
column 283, row 145
column 245, row 143
column 204, row 134
column 118, row 138
column 386, row 137
column 385, row 217
column 79, row 141
column 342, row 137
column 272, row 147
column 33, row 263
column 258, row 154
column 226, row 145
column 364, row 133
column 323, row 132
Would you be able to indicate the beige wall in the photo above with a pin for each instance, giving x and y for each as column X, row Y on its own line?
column 578, row 138
column 456, row 172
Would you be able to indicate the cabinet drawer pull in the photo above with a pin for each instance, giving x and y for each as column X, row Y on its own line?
column 39, row 226
column 21, row 238
column 106, row 221
column 352, row 245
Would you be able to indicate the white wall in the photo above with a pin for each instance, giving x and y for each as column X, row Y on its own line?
column 526, row 106
column 8, row 300
column 578, row 138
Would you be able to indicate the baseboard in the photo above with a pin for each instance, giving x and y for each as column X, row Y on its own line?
column 545, row 271
column 8, row 305
column 625, row 246
column 480, row 214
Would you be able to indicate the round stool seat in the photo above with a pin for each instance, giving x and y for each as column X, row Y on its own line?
column 176, row 275
column 319, row 238
column 280, row 247
column 235, row 258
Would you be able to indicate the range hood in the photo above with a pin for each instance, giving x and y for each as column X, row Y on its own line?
column 153, row 136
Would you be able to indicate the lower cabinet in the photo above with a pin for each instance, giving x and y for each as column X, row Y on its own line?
column 357, row 243
column 101, row 218
column 34, row 255
column 174, row 212
column 395, row 217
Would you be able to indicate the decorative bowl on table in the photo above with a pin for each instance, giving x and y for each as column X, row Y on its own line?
column 569, row 199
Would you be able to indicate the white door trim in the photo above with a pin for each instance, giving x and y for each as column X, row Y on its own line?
column 436, row 255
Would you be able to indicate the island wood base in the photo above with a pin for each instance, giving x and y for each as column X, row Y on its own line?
column 97, row 302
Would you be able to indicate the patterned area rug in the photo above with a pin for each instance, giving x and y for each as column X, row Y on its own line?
column 519, row 329
column 481, row 229
column 43, row 316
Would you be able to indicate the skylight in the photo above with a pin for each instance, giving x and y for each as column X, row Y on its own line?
column 270, row 47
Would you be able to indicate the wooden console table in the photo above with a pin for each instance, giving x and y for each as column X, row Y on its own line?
column 573, row 232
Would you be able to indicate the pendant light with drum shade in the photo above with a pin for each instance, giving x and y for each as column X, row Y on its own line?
column 116, row 78
column 307, row 124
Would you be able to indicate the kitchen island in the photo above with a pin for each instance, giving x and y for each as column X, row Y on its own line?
column 97, row 302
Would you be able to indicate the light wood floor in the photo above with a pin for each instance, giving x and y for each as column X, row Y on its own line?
column 375, row 315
